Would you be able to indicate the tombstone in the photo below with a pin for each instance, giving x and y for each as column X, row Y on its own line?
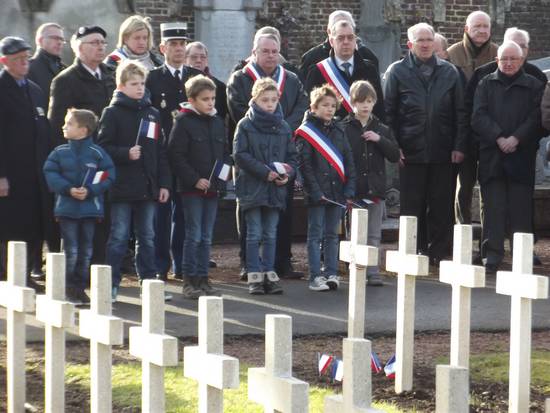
column 273, row 385
column 356, row 387
column 226, row 47
column 103, row 330
column 547, row 406
column 452, row 389
column 206, row 362
column 408, row 265
column 155, row 349
column 462, row 276
column 358, row 255
column 522, row 286
column 57, row 315
column 18, row 300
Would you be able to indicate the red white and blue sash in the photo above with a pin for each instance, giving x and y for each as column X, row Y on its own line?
column 333, row 76
column 324, row 146
column 118, row 55
column 251, row 70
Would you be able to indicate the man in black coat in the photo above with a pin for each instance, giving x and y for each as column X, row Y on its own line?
column 294, row 103
column 46, row 62
column 166, row 85
column 425, row 109
column 25, row 204
column 343, row 67
column 322, row 51
column 506, row 121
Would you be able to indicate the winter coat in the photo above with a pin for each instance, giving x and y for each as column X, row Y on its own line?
column 468, row 57
column 320, row 178
column 75, row 87
column 73, row 165
column 261, row 139
column 26, row 213
column 139, row 179
column 43, row 67
column 195, row 143
column 362, row 70
column 502, row 108
column 119, row 54
column 545, row 107
column 369, row 157
column 427, row 117
column 294, row 101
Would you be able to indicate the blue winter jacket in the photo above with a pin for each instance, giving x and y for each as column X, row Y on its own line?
column 79, row 163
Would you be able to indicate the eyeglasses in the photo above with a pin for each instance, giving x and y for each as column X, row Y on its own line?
column 57, row 39
column 97, row 43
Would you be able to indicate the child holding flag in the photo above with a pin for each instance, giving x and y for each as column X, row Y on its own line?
column 326, row 163
column 265, row 157
column 79, row 172
column 199, row 158
column 130, row 132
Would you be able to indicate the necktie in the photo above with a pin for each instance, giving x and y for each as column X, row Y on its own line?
column 97, row 76
column 347, row 66
column 177, row 75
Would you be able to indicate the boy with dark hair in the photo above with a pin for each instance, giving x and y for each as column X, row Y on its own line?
column 197, row 146
column 79, row 172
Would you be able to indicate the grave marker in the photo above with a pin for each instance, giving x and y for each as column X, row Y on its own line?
column 452, row 389
column 206, row 362
column 273, row 385
column 523, row 287
column 408, row 265
column 18, row 300
column 359, row 256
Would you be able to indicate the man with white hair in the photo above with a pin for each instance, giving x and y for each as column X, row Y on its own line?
column 506, row 122
column 322, row 51
column 425, row 109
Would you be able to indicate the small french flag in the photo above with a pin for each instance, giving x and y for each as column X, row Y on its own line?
column 221, row 170
column 324, row 363
column 339, row 373
column 148, row 129
column 389, row 368
column 100, row 176
column 280, row 167
column 375, row 364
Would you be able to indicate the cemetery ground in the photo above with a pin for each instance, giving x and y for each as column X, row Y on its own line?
column 488, row 373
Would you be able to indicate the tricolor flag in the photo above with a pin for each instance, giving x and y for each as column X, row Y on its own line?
column 280, row 167
column 93, row 177
column 148, row 129
column 339, row 371
column 100, row 176
column 389, row 368
column 221, row 170
column 375, row 365
column 324, row 363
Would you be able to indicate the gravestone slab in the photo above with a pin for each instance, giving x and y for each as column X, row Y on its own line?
column 452, row 389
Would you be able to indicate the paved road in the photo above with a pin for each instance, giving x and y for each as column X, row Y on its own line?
column 321, row 313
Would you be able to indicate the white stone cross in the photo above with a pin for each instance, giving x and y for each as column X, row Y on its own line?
column 155, row 349
column 356, row 387
column 103, row 330
column 523, row 287
column 57, row 315
column 273, row 385
column 463, row 277
column 359, row 256
column 18, row 300
column 206, row 362
column 408, row 265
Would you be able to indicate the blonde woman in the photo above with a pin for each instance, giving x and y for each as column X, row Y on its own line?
column 135, row 41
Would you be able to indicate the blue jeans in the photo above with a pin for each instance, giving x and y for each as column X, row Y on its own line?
column 78, row 244
column 200, row 216
column 143, row 213
column 322, row 227
column 261, row 227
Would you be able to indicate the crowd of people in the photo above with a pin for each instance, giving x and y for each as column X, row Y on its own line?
column 127, row 153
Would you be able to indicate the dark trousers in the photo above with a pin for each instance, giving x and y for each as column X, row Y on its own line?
column 283, row 248
column 78, row 235
column 427, row 193
column 508, row 208
column 467, row 177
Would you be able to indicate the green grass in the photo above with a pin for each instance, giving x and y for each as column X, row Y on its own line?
column 181, row 393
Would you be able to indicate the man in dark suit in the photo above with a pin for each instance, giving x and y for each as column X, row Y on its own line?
column 25, row 203
column 345, row 63
column 166, row 85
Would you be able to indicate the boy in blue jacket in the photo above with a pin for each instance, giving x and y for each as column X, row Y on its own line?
column 79, row 172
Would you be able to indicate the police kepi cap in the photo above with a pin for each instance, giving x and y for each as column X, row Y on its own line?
column 174, row 30
column 12, row 45
column 86, row 30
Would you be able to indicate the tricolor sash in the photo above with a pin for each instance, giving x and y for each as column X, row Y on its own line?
column 333, row 76
column 118, row 55
column 324, row 146
column 251, row 70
